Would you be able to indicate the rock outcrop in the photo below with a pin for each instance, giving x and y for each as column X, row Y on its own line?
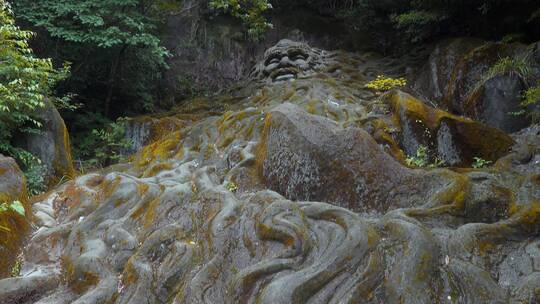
column 13, row 225
column 292, row 191
column 496, row 100
column 456, row 78
column 145, row 130
column 308, row 158
column 436, row 75
column 453, row 139
column 51, row 145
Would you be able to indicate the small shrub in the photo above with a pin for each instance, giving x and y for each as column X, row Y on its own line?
column 103, row 147
column 16, row 269
column 250, row 12
column 480, row 163
column 418, row 24
column 519, row 66
column 232, row 187
column 421, row 159
column 15, row 206
column 531, row 98
column 383, row 83
column 514, row 37
column 35, row 173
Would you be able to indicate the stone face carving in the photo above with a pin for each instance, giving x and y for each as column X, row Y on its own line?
column 289, row 60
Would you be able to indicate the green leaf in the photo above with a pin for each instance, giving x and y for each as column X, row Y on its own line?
column 18, row 207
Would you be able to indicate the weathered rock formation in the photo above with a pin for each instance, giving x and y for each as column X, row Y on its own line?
column 145, row 130
column 213, row 53
column 453, row 139
column 295, row 191
column 51, row 145
column 455, row 78
column 13, row 225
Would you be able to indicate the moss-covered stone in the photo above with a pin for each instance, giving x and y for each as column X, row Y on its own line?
column 496, row 101
column 470, row 69
column 13, row 225
column 454, row 139
column 226, row 209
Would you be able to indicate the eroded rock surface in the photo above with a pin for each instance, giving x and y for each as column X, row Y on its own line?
column 307, row 157
column 453, row 139
column 12, row 224
column 290, row 191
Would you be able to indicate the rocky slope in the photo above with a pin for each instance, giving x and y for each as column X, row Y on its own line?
column 293, row 188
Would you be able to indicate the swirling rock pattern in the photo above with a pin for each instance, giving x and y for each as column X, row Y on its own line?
column 288, row 192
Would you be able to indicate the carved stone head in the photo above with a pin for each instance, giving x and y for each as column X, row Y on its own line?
column 288, row 60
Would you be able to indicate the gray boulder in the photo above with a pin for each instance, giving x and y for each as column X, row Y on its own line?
column 495, row 102
column 51, row 145
column 435, row 76
column 307, row 157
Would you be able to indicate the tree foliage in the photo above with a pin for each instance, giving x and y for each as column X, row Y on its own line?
column 531, row 101
column 251, row 12
column 394, row 21
column 25, row 81
column 104, row 146
column 105, row 39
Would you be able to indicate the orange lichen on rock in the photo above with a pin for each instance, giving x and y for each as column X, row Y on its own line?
column 160, row 150
column 448, row 133
column 261, row 201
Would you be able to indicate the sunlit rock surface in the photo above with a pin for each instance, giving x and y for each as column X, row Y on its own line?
column 293, row 189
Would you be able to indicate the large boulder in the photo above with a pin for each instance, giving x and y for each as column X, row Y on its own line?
column 307, row 157
column 454, row 78
column 495, row 101
column 470, row 70
column 13, row 225
column 51, row 145
column 525, row 156
column 454, row 139
column 435, row 75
